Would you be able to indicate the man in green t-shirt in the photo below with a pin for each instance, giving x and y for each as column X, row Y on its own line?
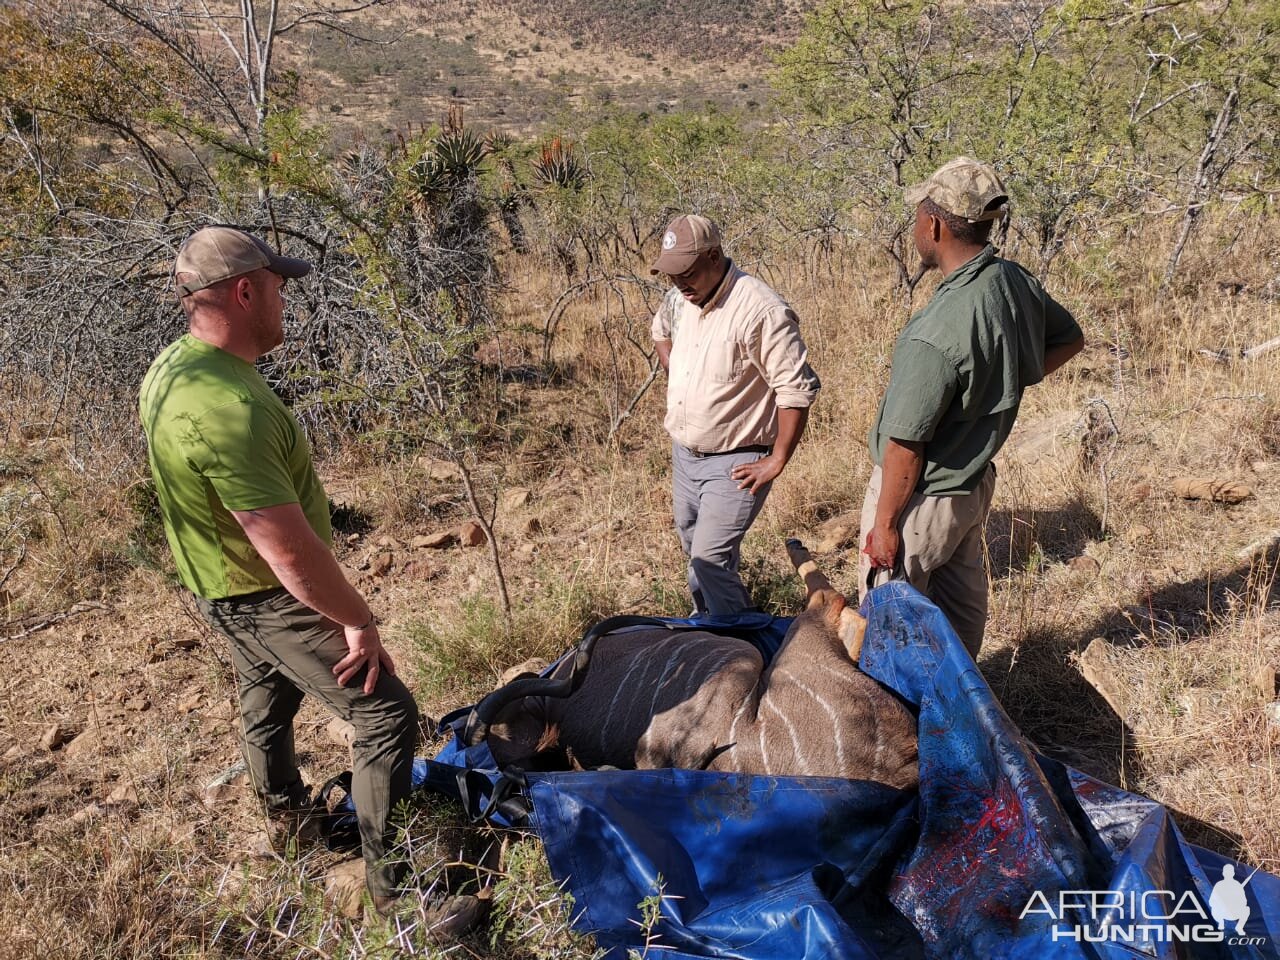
column 248, row 522
column 959, row 368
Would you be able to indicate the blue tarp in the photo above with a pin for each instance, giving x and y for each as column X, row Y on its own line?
column 1000, row 854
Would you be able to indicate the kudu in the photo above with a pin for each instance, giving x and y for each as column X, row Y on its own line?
column 655, row 698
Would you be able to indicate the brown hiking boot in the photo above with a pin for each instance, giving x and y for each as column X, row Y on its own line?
column 291, row 830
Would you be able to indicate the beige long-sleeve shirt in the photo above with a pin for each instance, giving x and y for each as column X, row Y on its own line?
column 734, row 362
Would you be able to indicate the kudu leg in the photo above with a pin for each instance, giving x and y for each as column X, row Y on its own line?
column 819, row 592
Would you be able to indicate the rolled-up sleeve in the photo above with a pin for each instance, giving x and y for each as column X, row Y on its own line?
column 779, row 352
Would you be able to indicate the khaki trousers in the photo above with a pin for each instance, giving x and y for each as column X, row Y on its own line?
column 941, row 552
column 282, row 650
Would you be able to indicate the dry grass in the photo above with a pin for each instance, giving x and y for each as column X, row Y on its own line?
column 1188, row 620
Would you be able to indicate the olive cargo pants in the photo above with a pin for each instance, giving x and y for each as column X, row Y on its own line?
column 282, row 650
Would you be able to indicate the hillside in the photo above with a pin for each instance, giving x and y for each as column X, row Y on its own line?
column 520, row 67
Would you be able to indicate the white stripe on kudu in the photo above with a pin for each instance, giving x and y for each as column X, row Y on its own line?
column 830, row 712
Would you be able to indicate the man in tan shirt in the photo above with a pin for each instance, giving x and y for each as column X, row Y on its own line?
column 738, row 395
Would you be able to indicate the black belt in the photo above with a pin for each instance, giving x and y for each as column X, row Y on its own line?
column 752, row 448
column 242, row 598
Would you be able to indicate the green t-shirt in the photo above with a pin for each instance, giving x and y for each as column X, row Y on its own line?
column 960, row 366
column 219, row 439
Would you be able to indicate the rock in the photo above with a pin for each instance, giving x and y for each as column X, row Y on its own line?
column 515, row 498
column 435, row 541
column 381, row 564
column 86, row 815
column 1084, row 564
column 1137, row 533
column 186, row 642
column 534, row 666
column 1095, row 667
column 420, row 542
column 190, row 702
column 344, row 887
column 237, row 773
column 421, row 570
column 532, row 527
column 1208, row 488
column 1138, row 492
column 353, row 538
column 442, row 470
column 837, row 533
column 12, row 754
column 88, row 742
column 471, row 534
column 55, row 736
column 1200, row 703
column 1272, row 712
column 1264, row 682
column 137, row 704
column 219, row 793
column 340, row 731
column 124, row 793
column 386, row 543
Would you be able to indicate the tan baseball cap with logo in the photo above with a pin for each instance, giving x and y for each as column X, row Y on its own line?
column 964, row 187
column 212, row 254
column 685, row 238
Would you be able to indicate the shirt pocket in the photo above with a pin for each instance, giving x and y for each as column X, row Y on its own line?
column 724, row 361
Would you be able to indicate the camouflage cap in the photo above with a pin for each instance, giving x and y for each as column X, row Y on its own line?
column 963, row 187
column 685, row 238
column 212, row 254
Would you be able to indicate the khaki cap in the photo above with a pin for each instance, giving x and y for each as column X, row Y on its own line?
column 212, row 254
column 684, row 239
column 963, row 187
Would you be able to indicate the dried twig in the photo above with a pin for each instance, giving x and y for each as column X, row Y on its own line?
column 85, row 606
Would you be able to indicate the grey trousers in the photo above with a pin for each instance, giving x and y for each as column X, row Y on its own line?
column 941, row 553
column 712, row 516
column 282, row 650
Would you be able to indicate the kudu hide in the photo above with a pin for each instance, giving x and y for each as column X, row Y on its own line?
column 653, row 698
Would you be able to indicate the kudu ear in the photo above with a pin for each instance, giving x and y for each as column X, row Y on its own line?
column 852, row 630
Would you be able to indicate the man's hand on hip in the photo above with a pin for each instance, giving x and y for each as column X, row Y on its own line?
column 754, row 475
column 882, row 546
column 364, row 649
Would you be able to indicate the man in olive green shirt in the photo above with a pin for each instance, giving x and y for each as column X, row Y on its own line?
column 248, row 523
column 959, row 369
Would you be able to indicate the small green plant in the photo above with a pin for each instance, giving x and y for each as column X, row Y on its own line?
column 650, row 917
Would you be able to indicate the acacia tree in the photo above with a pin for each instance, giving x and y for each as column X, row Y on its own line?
column 1214, row 105
column 1050, row 110
column 875, row 88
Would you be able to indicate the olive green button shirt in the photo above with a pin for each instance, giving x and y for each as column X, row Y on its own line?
column 960, row 366
column 219, row 439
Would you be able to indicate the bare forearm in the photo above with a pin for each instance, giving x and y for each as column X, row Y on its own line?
column 664, row 353
column 791, row 424
column 900, row 472
column 313, row 576
column 303, row 562
column 1055, row 357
